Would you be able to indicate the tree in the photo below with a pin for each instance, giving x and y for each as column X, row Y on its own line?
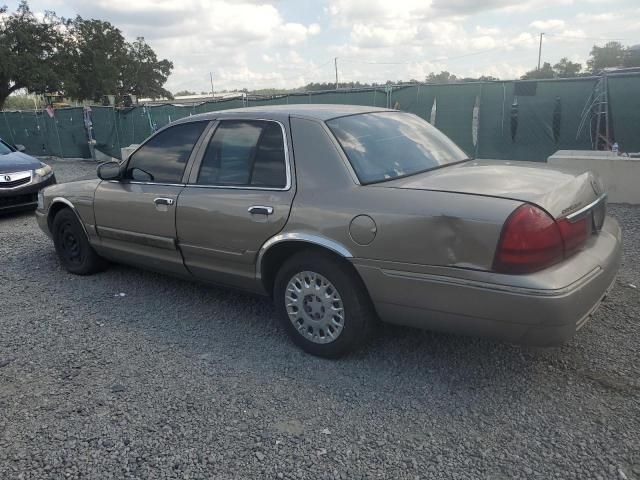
column 95, row 54
column 143, row 74
column 184, row 93
column 566, row 68
column 632, row 59
column 100, row 62
column 611, row 55
column 442, row 77
column 546, row 71
column 29, row 52
column 22, row 102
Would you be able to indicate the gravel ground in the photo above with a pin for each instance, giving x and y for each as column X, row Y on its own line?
column 179, row 380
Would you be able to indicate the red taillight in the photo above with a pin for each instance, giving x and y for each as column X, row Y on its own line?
column 574, row 233
column 530, row 241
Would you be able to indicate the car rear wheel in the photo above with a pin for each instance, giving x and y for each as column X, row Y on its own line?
column 323, row 304
column 72, row 245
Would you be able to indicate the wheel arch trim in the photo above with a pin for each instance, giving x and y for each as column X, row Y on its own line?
column 69, row 204
column 312, row 239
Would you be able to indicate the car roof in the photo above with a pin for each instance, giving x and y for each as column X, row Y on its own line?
column 314, row 111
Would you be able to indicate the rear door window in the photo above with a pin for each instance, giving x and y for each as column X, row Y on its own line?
column 245, row 153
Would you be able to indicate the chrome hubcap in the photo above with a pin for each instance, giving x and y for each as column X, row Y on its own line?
column 314, row 307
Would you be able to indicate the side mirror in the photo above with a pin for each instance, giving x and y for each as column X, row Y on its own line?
column 109, row 171
column 19, row 147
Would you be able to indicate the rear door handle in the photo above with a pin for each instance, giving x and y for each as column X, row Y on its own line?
column 260, row 210
column 164, row 201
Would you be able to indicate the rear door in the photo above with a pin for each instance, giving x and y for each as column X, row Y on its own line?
column 135, row 216
column 239, row 195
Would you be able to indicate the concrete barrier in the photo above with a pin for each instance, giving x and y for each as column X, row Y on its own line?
column 620, row 174
column 126, row 151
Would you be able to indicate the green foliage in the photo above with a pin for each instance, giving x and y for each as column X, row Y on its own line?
column 565, row 68
column 94, row 55
column 142, row 74
column 546, row 71
column 22, row 102
column 442, row 77
column 611, row 55
column 29, row 52
column 184, row 93
column 100, row 62
column 82, row 59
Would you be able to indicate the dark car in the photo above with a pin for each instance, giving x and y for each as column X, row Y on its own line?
column 21, row 178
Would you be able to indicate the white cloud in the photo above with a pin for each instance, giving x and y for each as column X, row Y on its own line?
column 378, row 36
column 523, row 40
column 484, row 42
column 487, row 30
column 550, row 24
column 266, row 43
column 596, row 17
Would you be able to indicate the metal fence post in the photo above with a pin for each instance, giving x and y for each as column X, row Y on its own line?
column 13, row 140
column 115, row 125
column 55, row 125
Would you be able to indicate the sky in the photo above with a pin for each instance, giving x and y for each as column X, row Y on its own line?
column 289, row 43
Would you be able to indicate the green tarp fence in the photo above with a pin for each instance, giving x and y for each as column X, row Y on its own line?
column 519, row 120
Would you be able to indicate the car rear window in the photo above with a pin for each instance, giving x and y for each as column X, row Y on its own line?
column 386, row 145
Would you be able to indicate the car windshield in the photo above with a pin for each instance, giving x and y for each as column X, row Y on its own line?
column 4, row 148
column 386, row 145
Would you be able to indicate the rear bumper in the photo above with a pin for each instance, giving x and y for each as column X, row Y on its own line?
column 487, row 305
column 23, row 198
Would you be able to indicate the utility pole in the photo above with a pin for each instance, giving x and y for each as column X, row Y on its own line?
column 335, row 61
column 211, row 78
column 540, row 50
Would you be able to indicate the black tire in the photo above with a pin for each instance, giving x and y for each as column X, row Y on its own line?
column 358, row 315
column 72, row 245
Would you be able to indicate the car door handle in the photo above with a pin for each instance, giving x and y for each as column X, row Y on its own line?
column 164, row 201
column 260, row 210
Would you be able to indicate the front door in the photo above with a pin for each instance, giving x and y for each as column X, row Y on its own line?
column 135, row 216
column 239, row 195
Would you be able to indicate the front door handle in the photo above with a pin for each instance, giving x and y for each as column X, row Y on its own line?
column 164, row 201
column 260, row 210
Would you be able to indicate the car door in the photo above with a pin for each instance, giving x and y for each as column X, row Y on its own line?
column 135, row 216
column 239, row 195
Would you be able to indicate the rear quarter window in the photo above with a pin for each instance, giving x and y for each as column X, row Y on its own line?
column 386, row 145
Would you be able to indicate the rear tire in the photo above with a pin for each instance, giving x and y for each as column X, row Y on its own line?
column 323, row 304
column 72, row 245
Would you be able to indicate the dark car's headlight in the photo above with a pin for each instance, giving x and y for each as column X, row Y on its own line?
column 43, row 172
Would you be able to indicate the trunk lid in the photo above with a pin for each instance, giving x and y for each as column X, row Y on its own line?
column 559, row 192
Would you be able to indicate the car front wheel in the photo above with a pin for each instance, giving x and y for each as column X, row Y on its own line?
column 322, row 304
column 72, row 245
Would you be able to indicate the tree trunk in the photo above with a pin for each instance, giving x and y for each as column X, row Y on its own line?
column 5, row 91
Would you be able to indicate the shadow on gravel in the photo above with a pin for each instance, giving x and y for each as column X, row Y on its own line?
column 14, row 216
column 221, row 325
column 229, row 329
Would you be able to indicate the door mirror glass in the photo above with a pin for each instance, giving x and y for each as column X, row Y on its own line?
column 109, row 171
column 19, row 147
